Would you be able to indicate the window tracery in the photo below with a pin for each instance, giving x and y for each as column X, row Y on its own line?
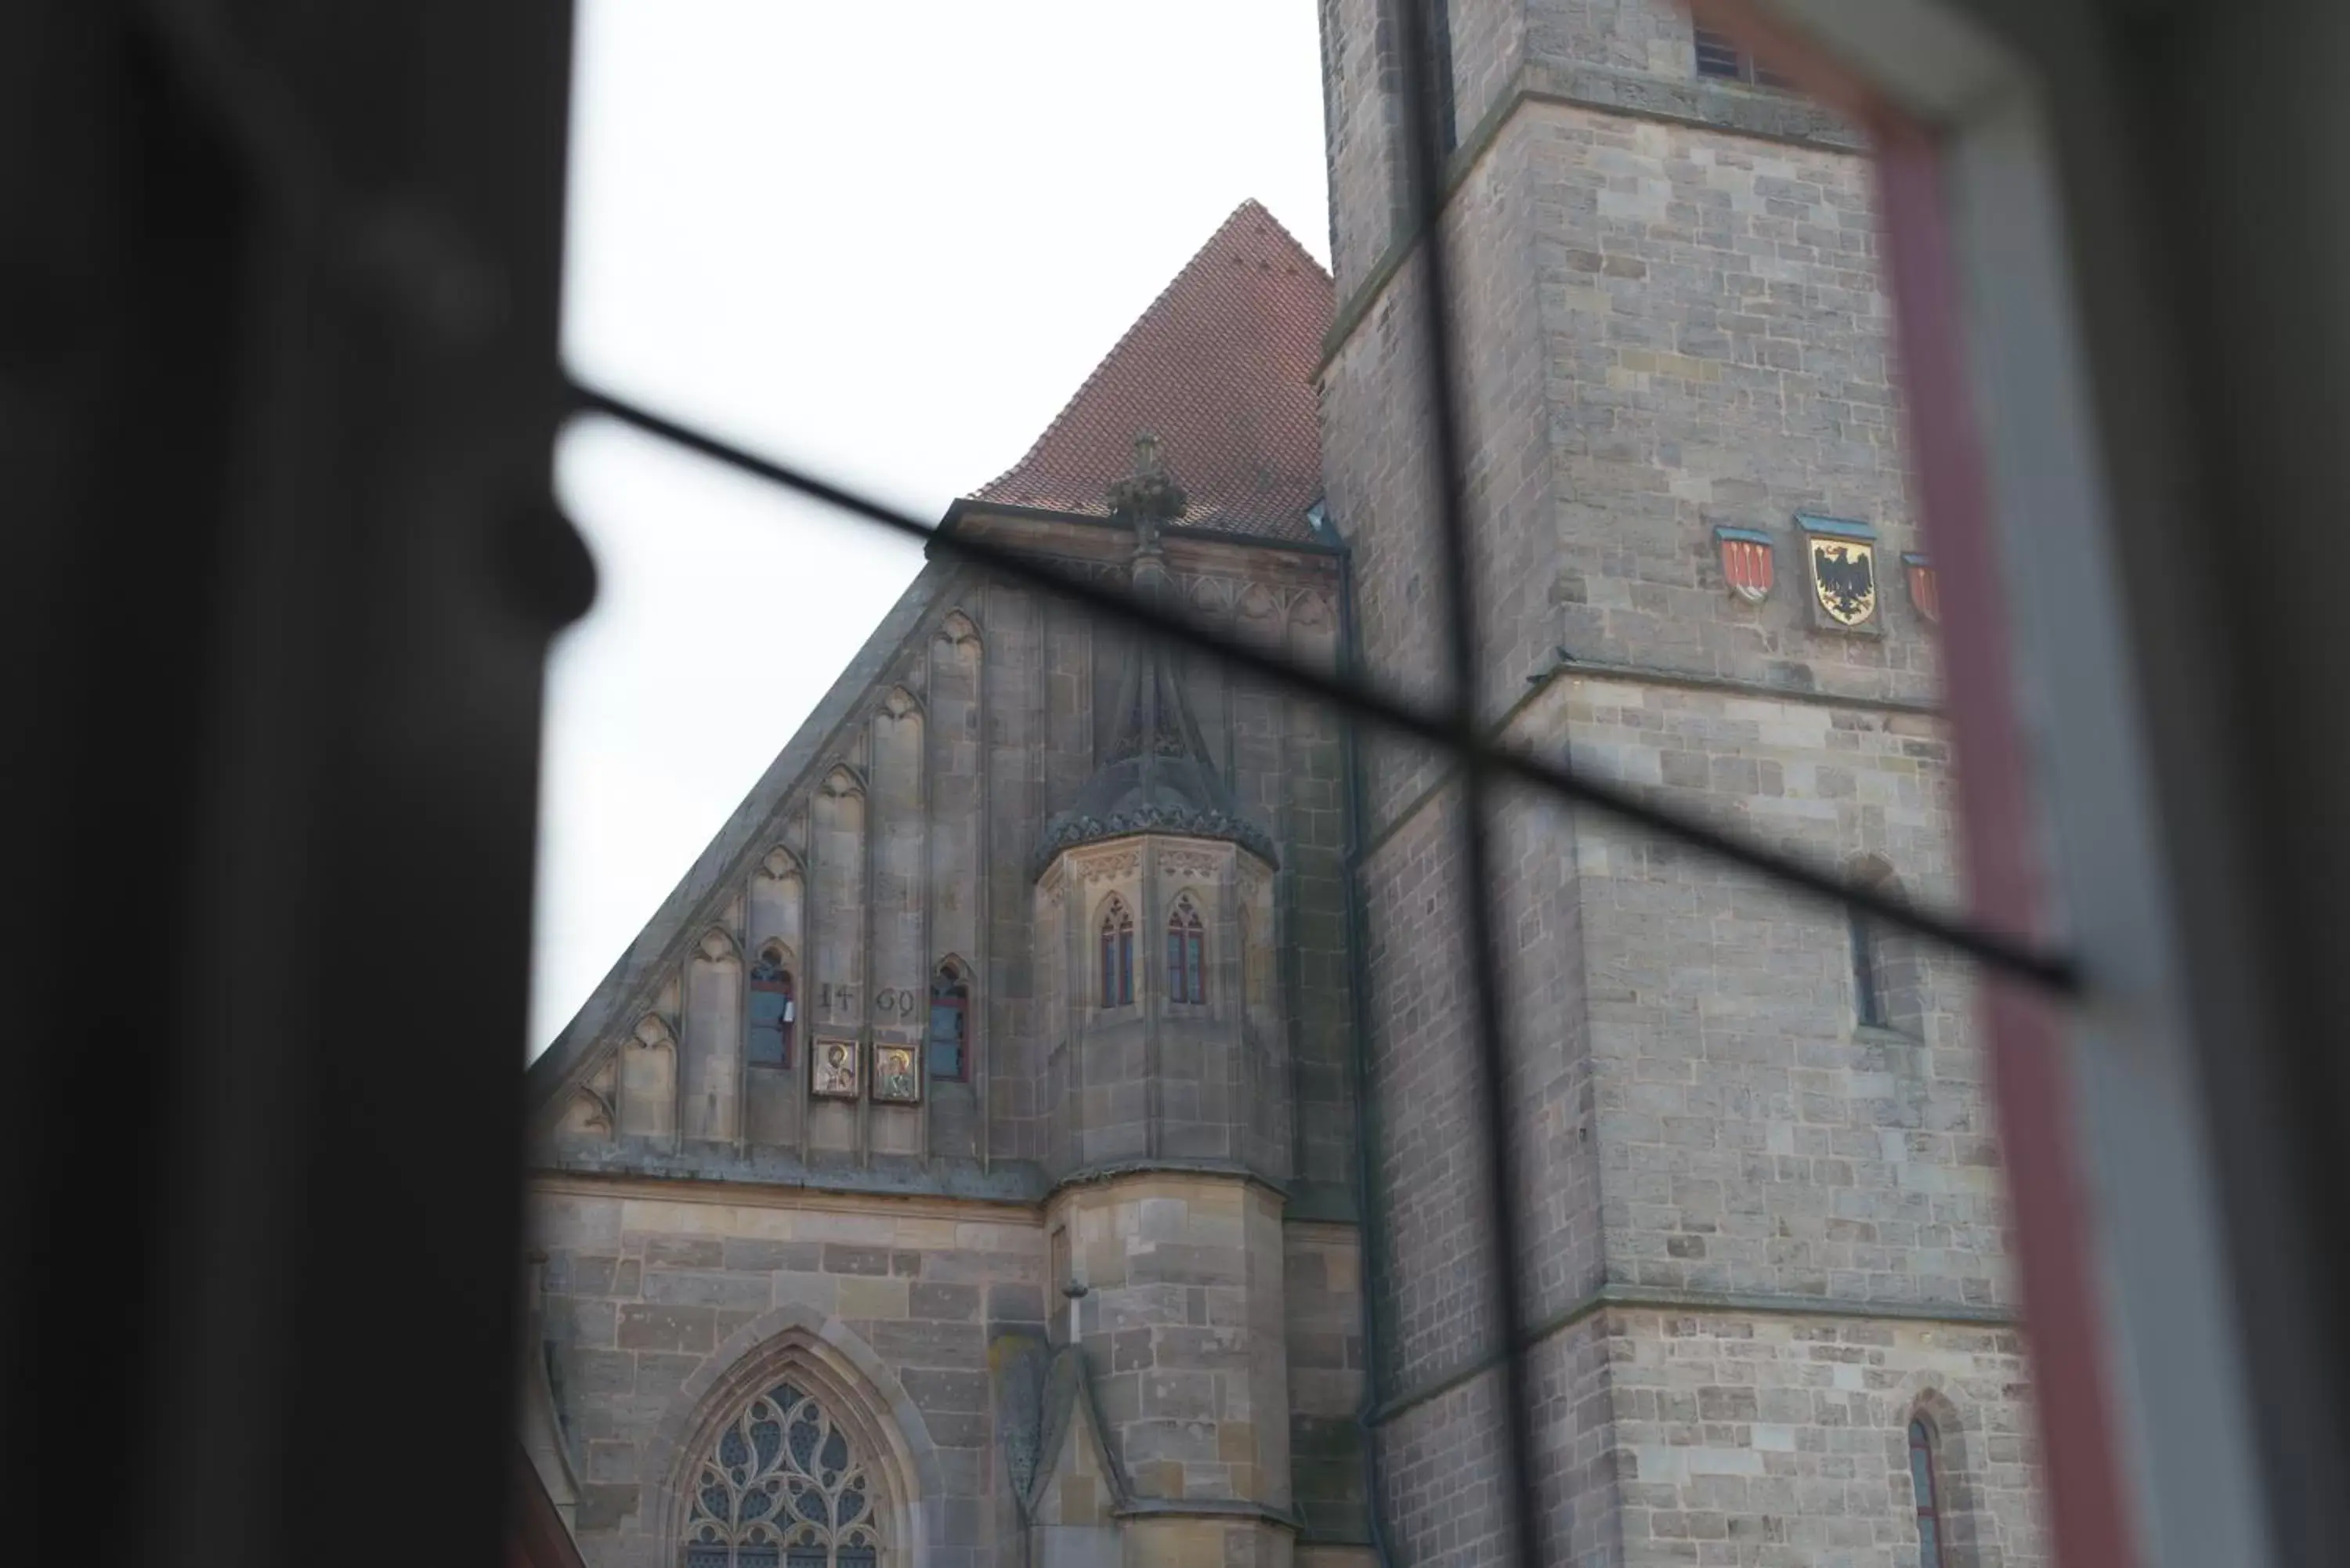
column 1116, row 955
column 782, row 1488
column 1187, row 975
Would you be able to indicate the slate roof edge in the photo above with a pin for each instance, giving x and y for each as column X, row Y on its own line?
column 663, row 935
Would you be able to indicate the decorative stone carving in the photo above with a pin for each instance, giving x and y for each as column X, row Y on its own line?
column 780, row 864
column 1192, row 821
column 1179, row 863
column 599, row 1108
column 957, row 630
column 1210, row 596
column 1107, row 865
column 1258, row 602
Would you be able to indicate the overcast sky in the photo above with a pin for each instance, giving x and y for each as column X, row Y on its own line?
column 887, row 242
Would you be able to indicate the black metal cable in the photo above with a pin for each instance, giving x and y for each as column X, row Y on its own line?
column 1356, row 693
column 1498, row 1155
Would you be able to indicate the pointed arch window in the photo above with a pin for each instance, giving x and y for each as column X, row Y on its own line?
column 1116, row 955
column 775, row 1009
column 1923, row 1472
column 782, row 1488
column 950, row 1039
column 1186, row 974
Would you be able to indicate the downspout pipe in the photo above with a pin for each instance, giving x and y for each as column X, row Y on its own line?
column 1368, row 1207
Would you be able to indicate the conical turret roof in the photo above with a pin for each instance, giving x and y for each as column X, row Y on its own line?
column 1157, row 775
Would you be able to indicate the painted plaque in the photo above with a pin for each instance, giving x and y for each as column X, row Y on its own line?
column 832, row 1068
column 896, row 1078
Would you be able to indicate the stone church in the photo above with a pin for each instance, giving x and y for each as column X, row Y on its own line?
column 1036, row 1132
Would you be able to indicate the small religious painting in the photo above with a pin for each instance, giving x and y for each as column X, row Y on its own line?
column 1745, row 562
column 1924, row 594
column 832, row 1068
column 895, row 1081
column 1840, row 558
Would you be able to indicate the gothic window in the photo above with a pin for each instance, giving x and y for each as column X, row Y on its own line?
column 1923, row 1468
column 1187, row 977
column 773, row 1010
column 1886, row 979
column 1868, row 972
column 1116, row 955
column 1718, row 55
column 950, row 1023
column 782, row 1489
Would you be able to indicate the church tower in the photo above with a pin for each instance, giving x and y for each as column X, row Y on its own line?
column 1764, row 1222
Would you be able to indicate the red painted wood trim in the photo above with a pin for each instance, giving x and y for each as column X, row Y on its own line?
column 2064, row 1332
column 535, row 1535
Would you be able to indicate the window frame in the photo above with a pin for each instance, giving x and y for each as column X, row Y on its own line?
column 953, row 972
column 1926, row 1492
column 1114, row 974
column 1744, row 67
column 1187, row 953
column 788, row 987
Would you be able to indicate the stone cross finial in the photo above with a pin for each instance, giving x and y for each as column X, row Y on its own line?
column 1147, row 497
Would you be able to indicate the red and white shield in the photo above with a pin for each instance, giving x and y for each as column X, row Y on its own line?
column 1746, row 562
column 1923, row 593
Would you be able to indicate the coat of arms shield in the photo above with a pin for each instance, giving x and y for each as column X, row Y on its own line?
column 1924, row 593
column 1840, row 557
column 1746, row 563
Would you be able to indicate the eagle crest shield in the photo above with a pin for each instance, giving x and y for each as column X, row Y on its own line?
column 1842, row 559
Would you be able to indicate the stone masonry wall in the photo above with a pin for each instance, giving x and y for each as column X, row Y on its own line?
column 1666, row 324
column 1783, row 1442
column 646, row 1295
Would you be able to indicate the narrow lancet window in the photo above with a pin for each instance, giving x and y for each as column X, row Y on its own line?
column 1116, row 955
column 949, row 1023
column 773, row 1010
column 1187, row 978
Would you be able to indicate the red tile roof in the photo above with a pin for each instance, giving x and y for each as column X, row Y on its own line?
column 1221, row 369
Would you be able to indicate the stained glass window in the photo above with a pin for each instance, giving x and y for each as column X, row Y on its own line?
column 782, row 1489
column 950, row 1023
column 1187, row 977
column 1921, row 1483
column 1116, row 955
column 773, row 1010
